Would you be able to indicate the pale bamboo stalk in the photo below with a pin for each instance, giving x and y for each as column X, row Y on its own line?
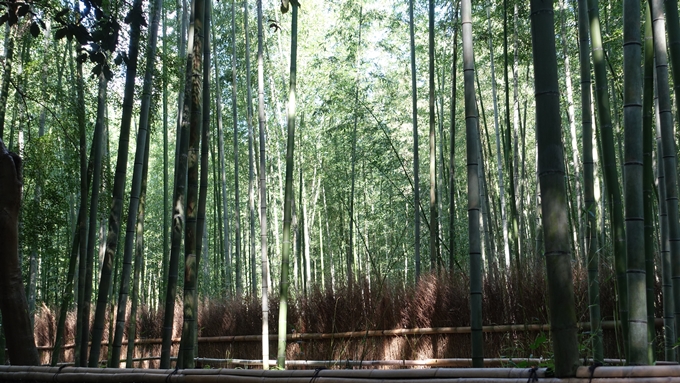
column 499, row 164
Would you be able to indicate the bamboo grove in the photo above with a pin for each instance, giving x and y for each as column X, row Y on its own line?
column 266, row 149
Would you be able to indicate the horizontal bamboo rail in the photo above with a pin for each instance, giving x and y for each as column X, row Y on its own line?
column 651, row 374
column 583, row 326
column 443, row 362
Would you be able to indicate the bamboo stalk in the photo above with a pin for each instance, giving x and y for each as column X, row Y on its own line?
column 649, row 374
column 102, row 375
column 631, row 371
column 208, row 379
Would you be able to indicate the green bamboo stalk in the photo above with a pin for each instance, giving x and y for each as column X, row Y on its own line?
column 98, row 323
column 234, row 112
column 634, row 208
column 139, row 263
column 434, row 220
column 416, row 161
column 179, row 194
column 194, row 120
column 648, row 179
column 288, row 196
column 668, row 152
column 592, row 252
column 553, row 191
column 473, row 159
column 664, row 251
column 263, row 191
column 610, row 164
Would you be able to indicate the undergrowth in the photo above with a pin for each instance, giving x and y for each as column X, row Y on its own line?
column 435, row 301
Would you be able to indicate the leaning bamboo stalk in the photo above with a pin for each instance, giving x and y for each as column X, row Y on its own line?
column 206, row 379
column 631, row 372
column 327, row 376
column 101, row 374
column 583, row 326
column 85, row 374
column 383, row 374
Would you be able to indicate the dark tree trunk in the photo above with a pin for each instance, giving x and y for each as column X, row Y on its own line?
column 13, row 304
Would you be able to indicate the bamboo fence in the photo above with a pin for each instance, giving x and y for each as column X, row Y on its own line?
column 583, row 326
column 443, row 362
column 651, row 374
column 404, row 363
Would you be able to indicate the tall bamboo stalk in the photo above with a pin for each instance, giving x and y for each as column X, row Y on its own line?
column 610, row 164
column 179, row 214
column 98, row 323
column 668, row 152
column 499, row 163
column 138, row 265
column 137, row 175
column 434, row 220
column 591, row 250
column 251, row 159
column 648, row 181
column 191, row 235
column 84, row 284
column 553, row 190
column 352, row 222
column 234, row 115
column 223, row 173
column 263, row 191
column 473, row 159
column 287, row 209
column 416, row 161
column 664, row 246
column 452, row 137
column 634, row 210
